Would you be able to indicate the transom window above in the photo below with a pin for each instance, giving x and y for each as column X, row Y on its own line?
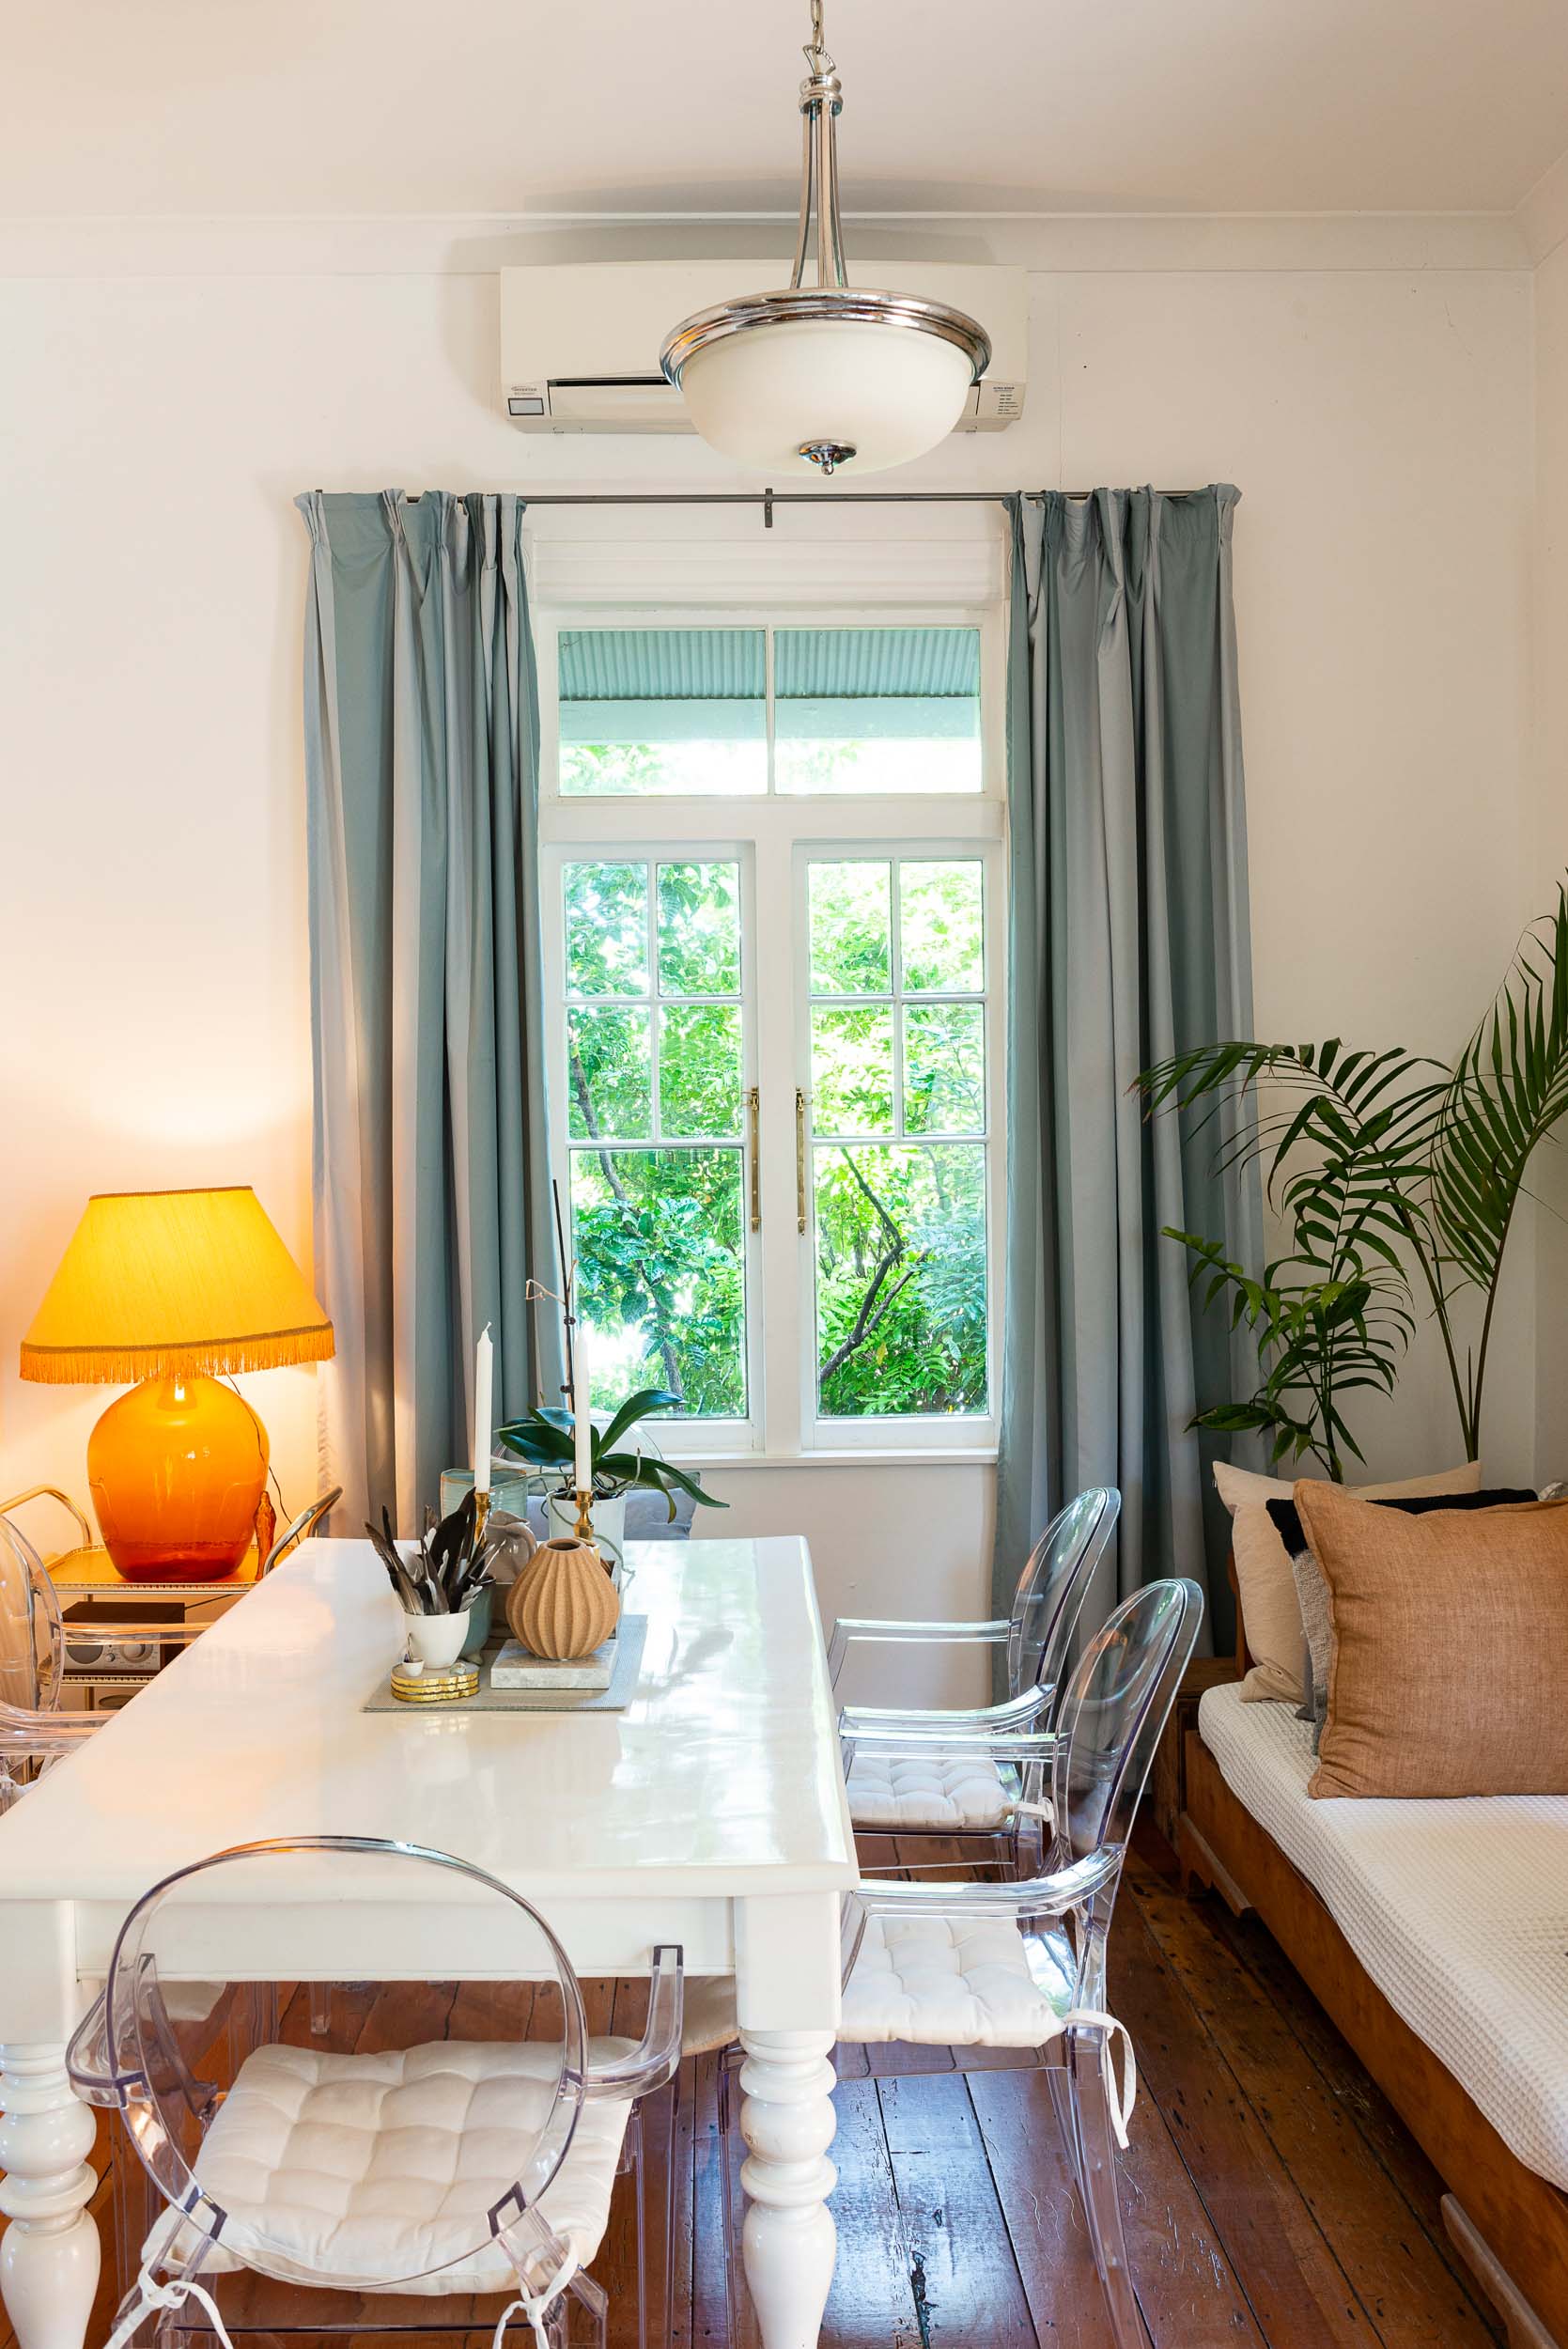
column 754, row 711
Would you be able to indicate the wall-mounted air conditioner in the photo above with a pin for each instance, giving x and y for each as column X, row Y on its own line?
column 580, row 342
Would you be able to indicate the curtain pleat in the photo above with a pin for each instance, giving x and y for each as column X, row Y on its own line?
column 1129, row 942
column 431, row 1153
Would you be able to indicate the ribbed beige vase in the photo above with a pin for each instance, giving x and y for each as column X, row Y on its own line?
column 563, row 1605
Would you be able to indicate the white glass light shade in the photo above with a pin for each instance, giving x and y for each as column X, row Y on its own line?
column 887, row 392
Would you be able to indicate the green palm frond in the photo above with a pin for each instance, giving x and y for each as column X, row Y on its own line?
column 1509, row 1089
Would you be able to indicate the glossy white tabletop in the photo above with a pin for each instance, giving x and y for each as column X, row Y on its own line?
column 721, row 1778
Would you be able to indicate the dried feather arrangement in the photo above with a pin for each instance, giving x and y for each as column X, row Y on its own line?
column 442, row 1572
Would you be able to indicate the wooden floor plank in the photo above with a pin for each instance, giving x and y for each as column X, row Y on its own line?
column 966, row 2284
column 1185, row 2286
column 1410, row 2294
column 1343, row 2074
column 1297, row 2291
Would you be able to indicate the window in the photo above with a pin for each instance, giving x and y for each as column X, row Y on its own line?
column 654, row 1036
column 895, row 958
column 772, row 889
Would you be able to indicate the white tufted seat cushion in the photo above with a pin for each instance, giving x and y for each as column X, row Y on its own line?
column 948, row 1984
column 929, row 1980
column 363, row 2170
column 943, row 1793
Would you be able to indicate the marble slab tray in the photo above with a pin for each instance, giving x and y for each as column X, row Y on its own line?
column 629, row 1638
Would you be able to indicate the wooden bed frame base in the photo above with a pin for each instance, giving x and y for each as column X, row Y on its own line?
column 1512, row 2223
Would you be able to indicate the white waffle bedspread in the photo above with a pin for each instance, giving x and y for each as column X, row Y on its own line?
column 1457, row 1910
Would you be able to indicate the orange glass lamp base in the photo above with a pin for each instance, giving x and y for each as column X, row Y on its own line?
column 176, row 1468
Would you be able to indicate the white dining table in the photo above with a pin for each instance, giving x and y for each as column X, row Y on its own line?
column 711, row 1812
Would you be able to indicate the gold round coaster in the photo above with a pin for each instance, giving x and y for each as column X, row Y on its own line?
column 445, row 1685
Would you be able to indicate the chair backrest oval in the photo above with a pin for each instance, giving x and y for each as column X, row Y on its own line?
column 508, row 2027
column 1054, row 1587
column 32, row 1636
column 1113, row 1713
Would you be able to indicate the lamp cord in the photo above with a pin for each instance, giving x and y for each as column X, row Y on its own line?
column 271, row 1472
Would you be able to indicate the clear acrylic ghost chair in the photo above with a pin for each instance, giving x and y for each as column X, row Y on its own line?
column 942, row 1773
column 34, row 1733
column 298, row 1530
column 444, row 2163
column 1013, row 1976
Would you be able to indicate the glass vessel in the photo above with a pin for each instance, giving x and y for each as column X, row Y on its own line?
column 176, row 1468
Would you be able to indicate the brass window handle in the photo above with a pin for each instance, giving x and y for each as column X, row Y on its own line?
column 753, row 1121
column 800, row 1159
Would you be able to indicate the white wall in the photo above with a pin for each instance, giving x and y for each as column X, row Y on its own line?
column 1549, row 849
column 1379, row 422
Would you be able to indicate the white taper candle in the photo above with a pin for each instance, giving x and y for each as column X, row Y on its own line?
column 484, row 1416
column 581, row 1412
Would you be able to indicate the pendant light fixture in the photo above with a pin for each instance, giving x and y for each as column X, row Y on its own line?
column 832, row 373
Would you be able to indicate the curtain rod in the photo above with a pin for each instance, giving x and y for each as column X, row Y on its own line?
column 768, row 498
column 786, row 497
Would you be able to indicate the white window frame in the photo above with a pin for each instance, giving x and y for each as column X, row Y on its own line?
column 773, row 834
column 726, row 1437
column 975, row 1432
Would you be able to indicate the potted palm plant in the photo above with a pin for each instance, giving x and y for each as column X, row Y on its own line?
column 544, row 1438
column 1399, row 1179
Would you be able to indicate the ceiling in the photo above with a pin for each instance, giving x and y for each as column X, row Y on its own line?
column 508, row 106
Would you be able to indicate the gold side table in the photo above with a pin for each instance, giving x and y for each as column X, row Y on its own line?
column 119, row 1635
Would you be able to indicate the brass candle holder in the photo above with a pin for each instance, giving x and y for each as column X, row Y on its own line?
column 584, row 1526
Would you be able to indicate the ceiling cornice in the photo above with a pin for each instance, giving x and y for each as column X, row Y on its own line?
column 464, row 245
column 1542, row 216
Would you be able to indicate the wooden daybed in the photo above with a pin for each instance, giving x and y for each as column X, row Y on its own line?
column 1509, row 2224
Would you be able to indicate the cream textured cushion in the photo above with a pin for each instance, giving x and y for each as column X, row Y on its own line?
column 943, row 1983
column 1269, row 1609
column 1458, row 1912
column 364, row 2170
column 948, row 1794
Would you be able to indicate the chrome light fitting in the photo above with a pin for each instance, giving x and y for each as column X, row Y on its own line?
column 833, row 373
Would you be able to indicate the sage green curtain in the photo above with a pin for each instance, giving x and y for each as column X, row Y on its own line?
column 1129, row 941
column 431, row 1158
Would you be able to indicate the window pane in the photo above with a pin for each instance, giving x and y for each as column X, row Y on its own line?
column 699, row 929
column 658, row 1237
column 608, row 1074
column 660, row 710
column 901, row 1279
column 851, row 1070
column 877, row 709
column 607, row 929
column 944, row 1069
column 941, row 937
column 699, row 1069
column 851, row 939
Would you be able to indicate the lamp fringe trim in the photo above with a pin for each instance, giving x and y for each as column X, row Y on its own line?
column 123, row 1365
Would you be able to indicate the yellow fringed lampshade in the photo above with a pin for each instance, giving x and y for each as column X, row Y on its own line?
column 161, row 1282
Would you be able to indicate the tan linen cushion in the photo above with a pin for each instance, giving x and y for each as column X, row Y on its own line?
column 1450, row 1654
column 1270, row 1607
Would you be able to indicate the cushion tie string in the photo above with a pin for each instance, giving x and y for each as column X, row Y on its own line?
column 534, row 2305
column 1044, row 1810
column 150, row 2294
column 1119, row 2099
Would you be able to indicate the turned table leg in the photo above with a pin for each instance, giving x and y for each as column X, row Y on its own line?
column 787, row 2118
column 48, row 2254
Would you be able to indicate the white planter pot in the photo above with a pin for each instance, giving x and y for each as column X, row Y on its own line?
column 437, row 1640
column 609, row 1518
